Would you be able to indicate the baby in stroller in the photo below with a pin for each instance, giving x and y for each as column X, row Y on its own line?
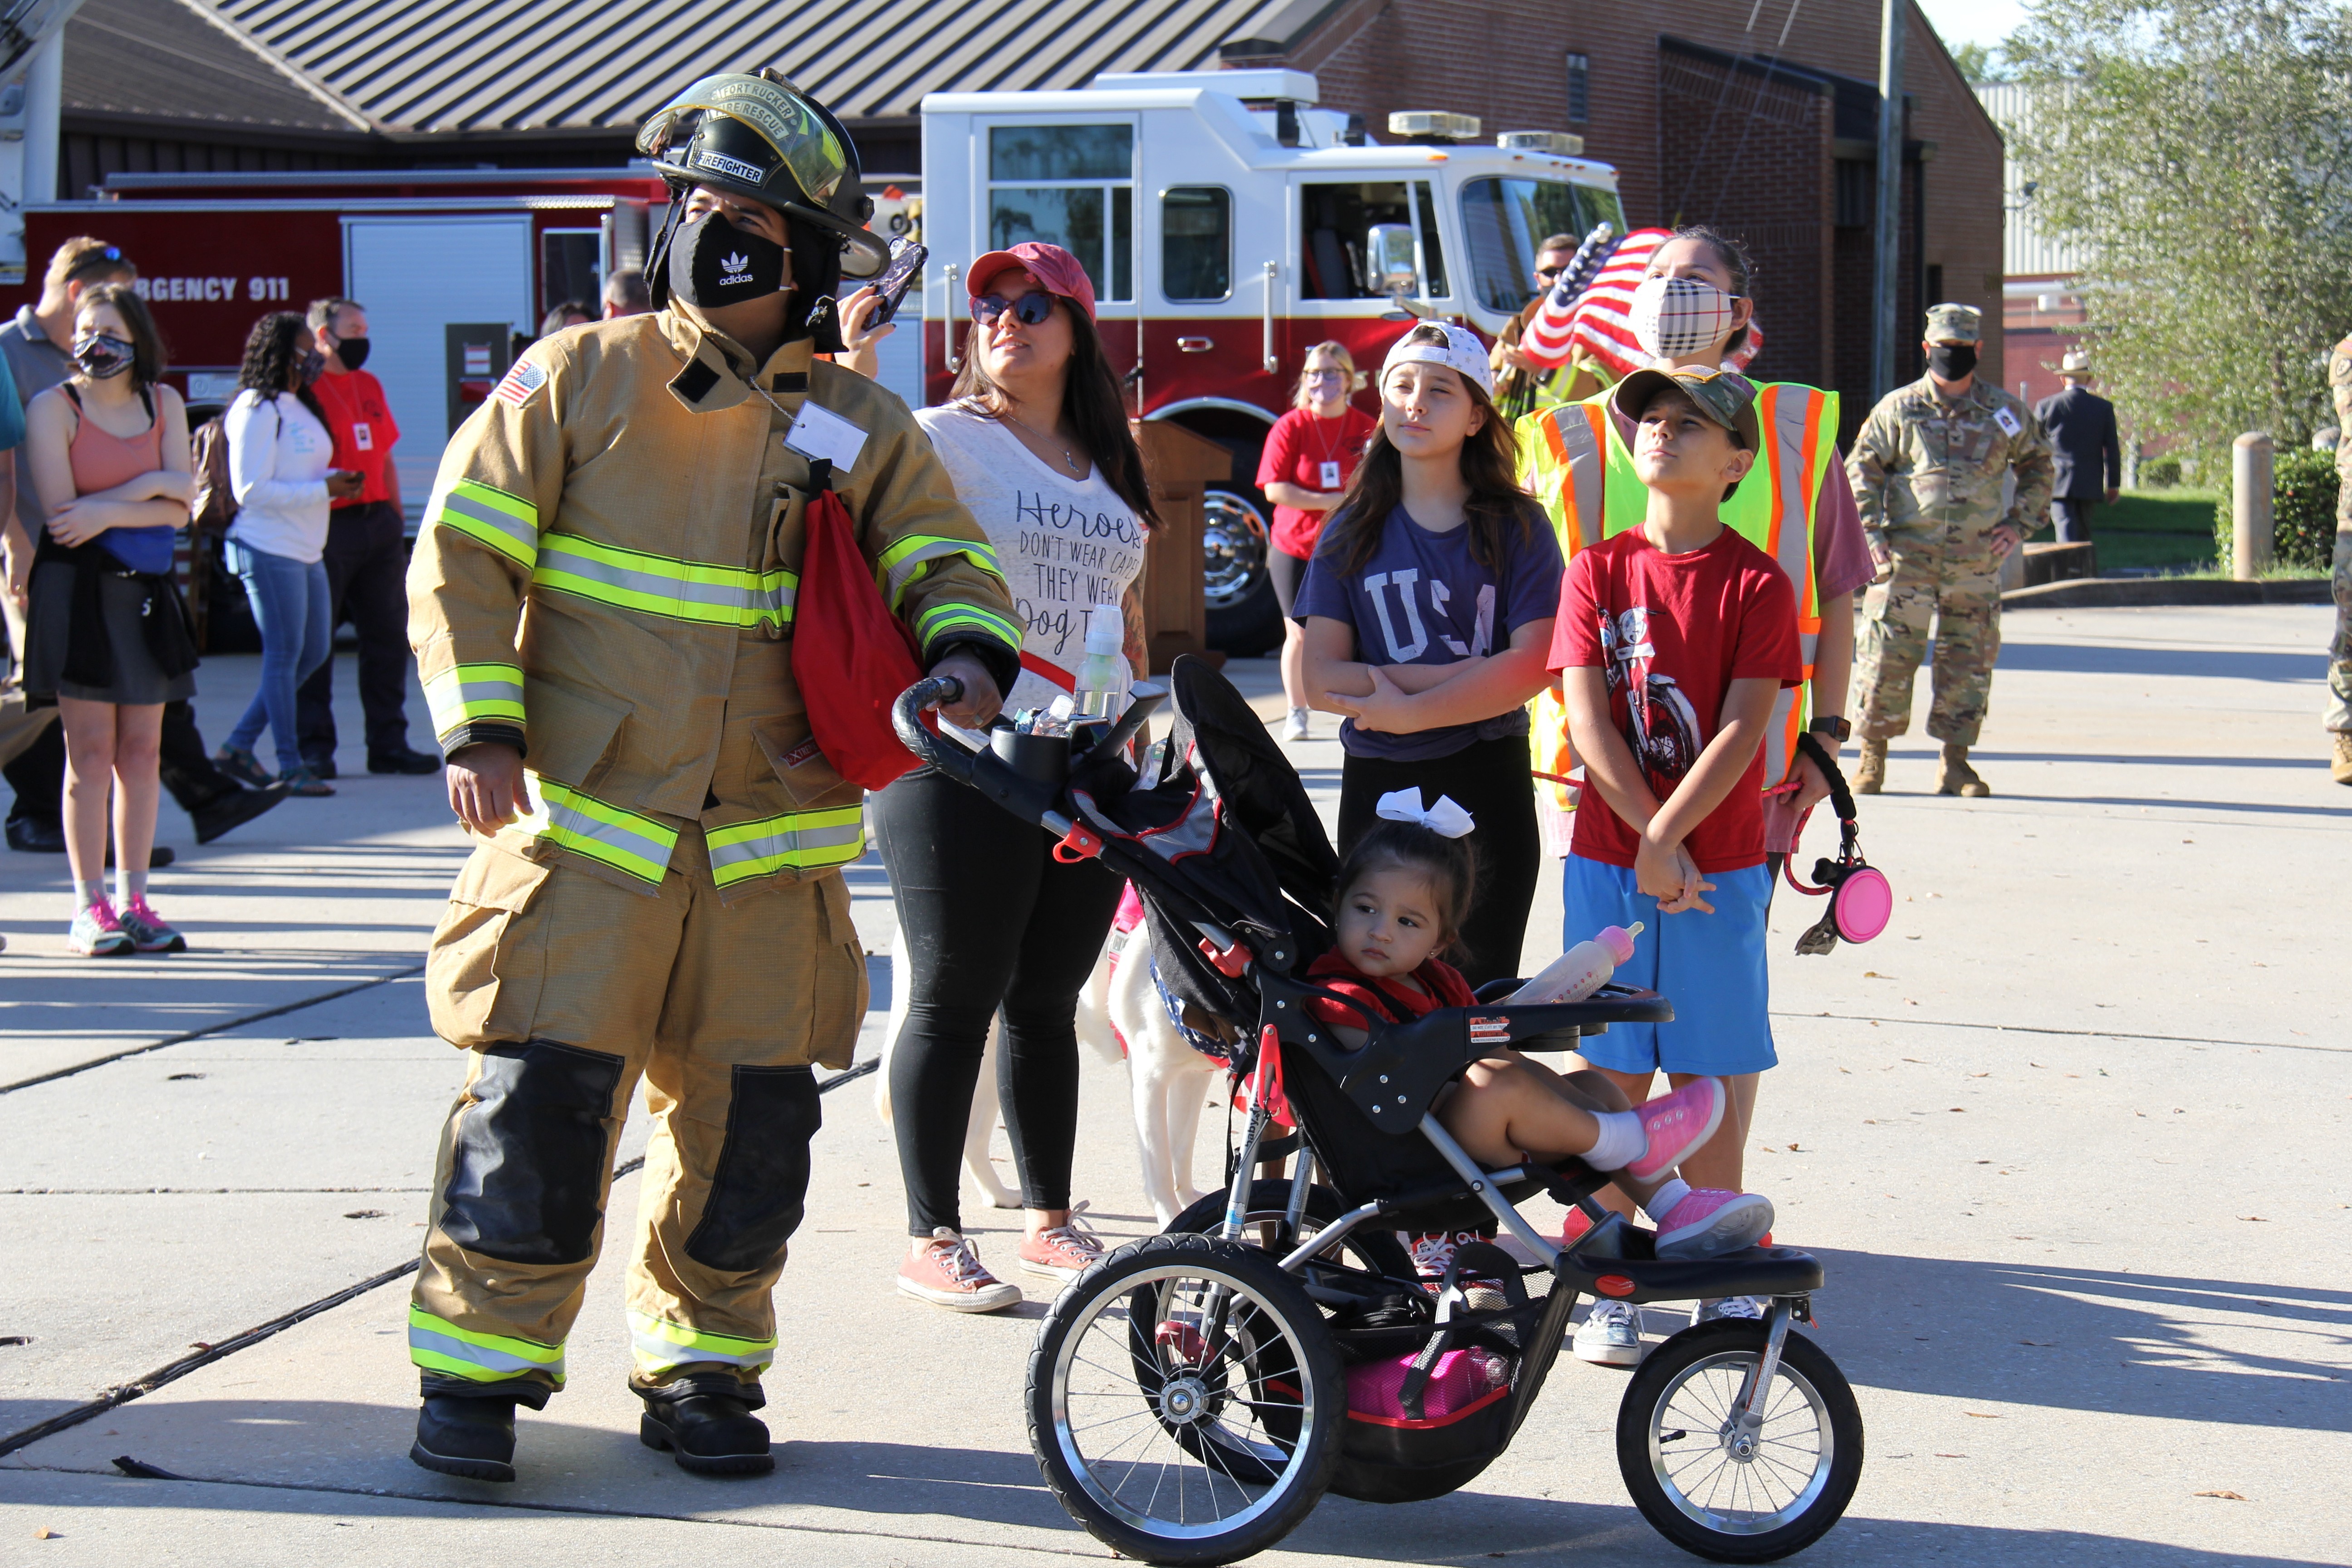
column 1404, row 895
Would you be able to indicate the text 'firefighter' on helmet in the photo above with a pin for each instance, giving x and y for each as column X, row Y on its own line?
column 762, row 138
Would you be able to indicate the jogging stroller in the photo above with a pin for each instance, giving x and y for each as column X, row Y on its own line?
column 1193, row 1395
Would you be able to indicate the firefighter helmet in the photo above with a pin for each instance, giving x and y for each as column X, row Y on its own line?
column 760, row 137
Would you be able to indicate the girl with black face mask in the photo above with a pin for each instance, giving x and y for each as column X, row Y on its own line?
column 108, row 454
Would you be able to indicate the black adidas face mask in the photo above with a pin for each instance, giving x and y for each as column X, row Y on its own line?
column 713, row 264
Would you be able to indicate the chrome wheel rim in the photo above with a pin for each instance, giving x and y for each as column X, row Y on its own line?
column 1234, row 542
column 1117, row 1437
column 1740, row 1481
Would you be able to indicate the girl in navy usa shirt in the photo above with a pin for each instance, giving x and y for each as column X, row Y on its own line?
column 1428, row 612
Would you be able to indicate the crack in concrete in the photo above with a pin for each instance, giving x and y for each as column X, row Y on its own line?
column 227, row 1024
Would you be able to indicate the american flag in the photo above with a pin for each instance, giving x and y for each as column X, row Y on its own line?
column 1596, row 321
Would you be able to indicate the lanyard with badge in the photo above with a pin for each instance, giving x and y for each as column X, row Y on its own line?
column 1327, row 478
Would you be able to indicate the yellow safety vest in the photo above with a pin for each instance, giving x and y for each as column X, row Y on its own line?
column 1579, row 468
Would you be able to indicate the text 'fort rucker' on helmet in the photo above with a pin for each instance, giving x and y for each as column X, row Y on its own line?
column 760, row 137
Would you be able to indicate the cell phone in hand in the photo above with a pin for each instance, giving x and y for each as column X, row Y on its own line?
column 906, row 259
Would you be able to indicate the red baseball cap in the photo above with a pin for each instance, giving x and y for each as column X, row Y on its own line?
column 1057, row 268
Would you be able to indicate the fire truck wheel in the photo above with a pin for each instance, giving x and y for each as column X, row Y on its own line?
column 1244, row 621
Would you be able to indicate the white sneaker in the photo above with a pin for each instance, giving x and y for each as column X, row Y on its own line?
column 1295, row 727
column 948, row 1273
column 1729, row 1307
column 1611, row 1335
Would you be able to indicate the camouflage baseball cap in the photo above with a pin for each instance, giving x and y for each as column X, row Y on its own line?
column 1725, row 396
column 1955, row 324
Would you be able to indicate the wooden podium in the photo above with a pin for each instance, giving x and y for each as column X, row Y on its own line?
column 1180, row 465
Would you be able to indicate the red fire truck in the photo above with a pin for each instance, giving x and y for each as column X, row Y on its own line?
column 1229, row 225
column 1227, row 221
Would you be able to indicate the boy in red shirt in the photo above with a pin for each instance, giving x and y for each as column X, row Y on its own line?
column 1673, row 641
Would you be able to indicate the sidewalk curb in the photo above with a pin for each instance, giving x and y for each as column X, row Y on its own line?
column 2107, row 593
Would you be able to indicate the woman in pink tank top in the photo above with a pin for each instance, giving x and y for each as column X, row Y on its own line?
column 109, row 451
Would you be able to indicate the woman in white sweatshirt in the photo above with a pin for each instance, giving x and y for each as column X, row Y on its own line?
column 279, row 448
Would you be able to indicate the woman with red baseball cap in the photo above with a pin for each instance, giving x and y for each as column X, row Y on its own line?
column 1036, row 440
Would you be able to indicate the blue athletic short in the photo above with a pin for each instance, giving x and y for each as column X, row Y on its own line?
column 1711, row 967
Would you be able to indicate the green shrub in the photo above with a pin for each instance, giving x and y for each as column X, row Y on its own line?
column 2160, row 473
column 2303, row 510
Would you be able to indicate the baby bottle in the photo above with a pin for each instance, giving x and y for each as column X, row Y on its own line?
column 1581, row 971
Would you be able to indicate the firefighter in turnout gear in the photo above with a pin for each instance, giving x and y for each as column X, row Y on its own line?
column 1926, row 473
column 602, row 606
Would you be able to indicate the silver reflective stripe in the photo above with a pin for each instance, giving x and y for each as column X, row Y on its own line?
column 1585, row 469
column 424, row 1339
column 1793, row 548
column 687, row 591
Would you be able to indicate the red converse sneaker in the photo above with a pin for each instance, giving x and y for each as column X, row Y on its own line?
column 948, row 1273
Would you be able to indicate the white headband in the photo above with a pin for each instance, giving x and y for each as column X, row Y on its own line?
column 1461, row 353
column 1445, row 819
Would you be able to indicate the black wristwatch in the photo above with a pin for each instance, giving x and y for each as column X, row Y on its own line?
column 1836, row 729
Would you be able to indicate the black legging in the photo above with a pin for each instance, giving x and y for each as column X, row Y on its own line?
column 1488, row 779
column 987, row 918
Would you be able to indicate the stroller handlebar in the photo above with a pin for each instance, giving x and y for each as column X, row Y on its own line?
column 907, row 719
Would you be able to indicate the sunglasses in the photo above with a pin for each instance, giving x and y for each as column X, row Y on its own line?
column 1030, row 308
column 1550, row 271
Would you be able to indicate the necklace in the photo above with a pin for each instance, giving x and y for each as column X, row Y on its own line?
column 1068, row 457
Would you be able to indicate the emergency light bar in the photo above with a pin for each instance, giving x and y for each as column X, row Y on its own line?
column 1434, row 126
column 1558, row 142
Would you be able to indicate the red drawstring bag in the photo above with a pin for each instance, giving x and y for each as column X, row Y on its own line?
column 851, row 657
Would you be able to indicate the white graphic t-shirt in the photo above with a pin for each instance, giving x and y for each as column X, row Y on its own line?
column 1066, row 544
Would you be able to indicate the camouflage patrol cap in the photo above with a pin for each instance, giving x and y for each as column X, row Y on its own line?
column 1954, row 324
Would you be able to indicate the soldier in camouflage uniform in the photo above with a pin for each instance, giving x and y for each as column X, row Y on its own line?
column 1927, row 476
column 2339, row 647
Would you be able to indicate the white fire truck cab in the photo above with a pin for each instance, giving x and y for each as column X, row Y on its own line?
column 1229, row 225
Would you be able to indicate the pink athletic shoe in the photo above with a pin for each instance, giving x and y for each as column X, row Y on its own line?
column 1676, row 1124
column 1710, row 1222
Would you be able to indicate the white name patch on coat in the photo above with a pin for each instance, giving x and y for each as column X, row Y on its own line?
column 820, row 433
column 2008, row 422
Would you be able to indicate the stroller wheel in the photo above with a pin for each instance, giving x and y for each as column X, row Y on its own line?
column 1185, row 1401
column 1725, row 1495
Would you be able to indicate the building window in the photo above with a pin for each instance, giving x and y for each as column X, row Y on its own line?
column 1196, row 243
column 1579, row 89
column 1855, row 193
column 1071, row 186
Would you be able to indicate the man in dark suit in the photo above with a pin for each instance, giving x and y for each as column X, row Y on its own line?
column 2082, row 426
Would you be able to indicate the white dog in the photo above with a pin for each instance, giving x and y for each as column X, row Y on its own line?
column 1168, row 1081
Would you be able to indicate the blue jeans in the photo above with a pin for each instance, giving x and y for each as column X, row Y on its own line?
column 289, row 605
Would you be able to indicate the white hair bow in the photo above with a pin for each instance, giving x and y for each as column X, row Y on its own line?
column 1445, row 819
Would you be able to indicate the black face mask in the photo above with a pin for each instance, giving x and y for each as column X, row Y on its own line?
column 713, row 264
column 352, row 352
column 313, row 367
column 1952, row 362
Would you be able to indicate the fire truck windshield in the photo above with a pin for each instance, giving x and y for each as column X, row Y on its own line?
column 1503, row 220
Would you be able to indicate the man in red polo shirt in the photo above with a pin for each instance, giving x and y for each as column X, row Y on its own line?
column 366, row 560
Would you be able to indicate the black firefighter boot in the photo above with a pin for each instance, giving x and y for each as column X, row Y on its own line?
column 468, row 1436
column 706, row 1423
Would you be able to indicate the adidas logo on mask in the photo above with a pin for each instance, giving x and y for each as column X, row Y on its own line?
column 735, row 270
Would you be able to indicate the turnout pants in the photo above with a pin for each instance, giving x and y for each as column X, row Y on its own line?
column 1956, row 585
column 568, row 988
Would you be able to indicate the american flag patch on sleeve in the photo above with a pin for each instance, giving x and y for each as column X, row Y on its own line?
column 521, row 382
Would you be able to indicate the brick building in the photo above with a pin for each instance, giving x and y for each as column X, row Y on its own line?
column 1754, row 115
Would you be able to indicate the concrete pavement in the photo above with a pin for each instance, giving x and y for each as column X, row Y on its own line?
column 2068, row 1138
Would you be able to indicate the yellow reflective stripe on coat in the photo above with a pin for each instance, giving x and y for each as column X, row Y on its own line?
column 507, row 524
column 575, row 820
column 910, row 557
column 469, row 693
column 661, row 1345
column 437, row 1344
column 663, row 585
column 943, row 618
column 798, row 840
